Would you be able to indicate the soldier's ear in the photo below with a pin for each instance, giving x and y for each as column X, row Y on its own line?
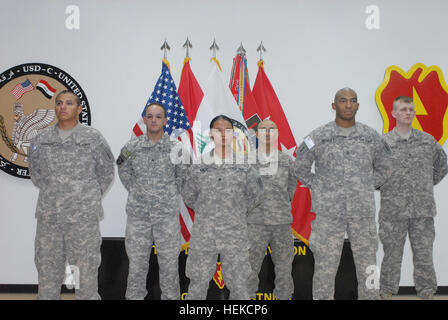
column 394, row 114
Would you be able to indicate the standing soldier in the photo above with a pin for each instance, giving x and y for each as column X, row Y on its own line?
column 350, row 160
column 270, row 221
column 153, row 179
column 220, row 192
column 73, row 166
column 407, row 202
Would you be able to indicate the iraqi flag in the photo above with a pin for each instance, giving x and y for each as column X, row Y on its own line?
column 47, row 90
column 301, row 205
column 191, row 95
column 218, row 99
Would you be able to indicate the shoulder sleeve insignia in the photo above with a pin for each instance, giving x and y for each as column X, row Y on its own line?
column 107, row 152
column 124, row 155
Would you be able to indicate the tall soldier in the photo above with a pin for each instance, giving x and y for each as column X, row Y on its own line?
column 73, row 166
column 270, row 221
column 350, row 160
column 220, row 190
column 407, row 202
column 153, row 179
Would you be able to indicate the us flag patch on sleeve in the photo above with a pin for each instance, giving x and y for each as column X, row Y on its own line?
column 309, row 142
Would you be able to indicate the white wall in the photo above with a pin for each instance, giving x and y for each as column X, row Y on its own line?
column 314, row 48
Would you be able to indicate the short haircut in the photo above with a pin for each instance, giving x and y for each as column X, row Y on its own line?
column 264, row 121
column 221, row 117
column 155, row 104
column 344, row 89
column 78, row 99
column 403, row 99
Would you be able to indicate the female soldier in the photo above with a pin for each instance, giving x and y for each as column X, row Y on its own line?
column 220, row 193
column 270, row 221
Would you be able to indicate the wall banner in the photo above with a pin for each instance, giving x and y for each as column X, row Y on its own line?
column 427, row 87
column 27, row 94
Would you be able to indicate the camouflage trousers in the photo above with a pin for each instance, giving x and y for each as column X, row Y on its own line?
column 78, row 244
column 281, row 242
column 326, row 242
column 201, row 267
column 140, row 235
column 421, row 235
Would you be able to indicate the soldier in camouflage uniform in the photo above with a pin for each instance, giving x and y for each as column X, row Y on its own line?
column 270, row 221
column 153, row 179
column 73, row 166
column 350, row 160
column 220, row 193
column 407, row 202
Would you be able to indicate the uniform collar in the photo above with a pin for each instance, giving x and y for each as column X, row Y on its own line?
column 337, row 131
column 232, row 158
column 397, row 136
column 150, row 144
column 76, row 135
column 274, row 155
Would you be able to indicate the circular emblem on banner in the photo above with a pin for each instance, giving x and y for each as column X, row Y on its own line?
column 244, row 138
column 27, row 95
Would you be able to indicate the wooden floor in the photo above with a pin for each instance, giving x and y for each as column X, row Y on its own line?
column 30, row 296
column 69, row 296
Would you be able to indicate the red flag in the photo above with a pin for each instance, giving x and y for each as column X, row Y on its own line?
column 190, row 93
column 191, row 96
column 265, row 96
column 239, row 85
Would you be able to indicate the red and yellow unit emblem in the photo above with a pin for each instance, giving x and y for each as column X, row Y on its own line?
column 218, row 276
column 427, row 87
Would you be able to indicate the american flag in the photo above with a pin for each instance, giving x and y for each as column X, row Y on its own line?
column 22, row 88
column 165, row 93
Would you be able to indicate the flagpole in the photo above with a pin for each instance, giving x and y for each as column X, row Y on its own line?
column 187, row 45
column 214, row 47
column 261, row 49
column 165, row 47
column 241, row 51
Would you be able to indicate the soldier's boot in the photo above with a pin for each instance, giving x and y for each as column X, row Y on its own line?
column 386, row 296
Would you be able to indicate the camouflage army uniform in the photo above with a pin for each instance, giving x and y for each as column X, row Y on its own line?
column 153, row 181
column 220, row 195
column 72, row 176
column 270, row 223
column 347, row 169
column 408, row 206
